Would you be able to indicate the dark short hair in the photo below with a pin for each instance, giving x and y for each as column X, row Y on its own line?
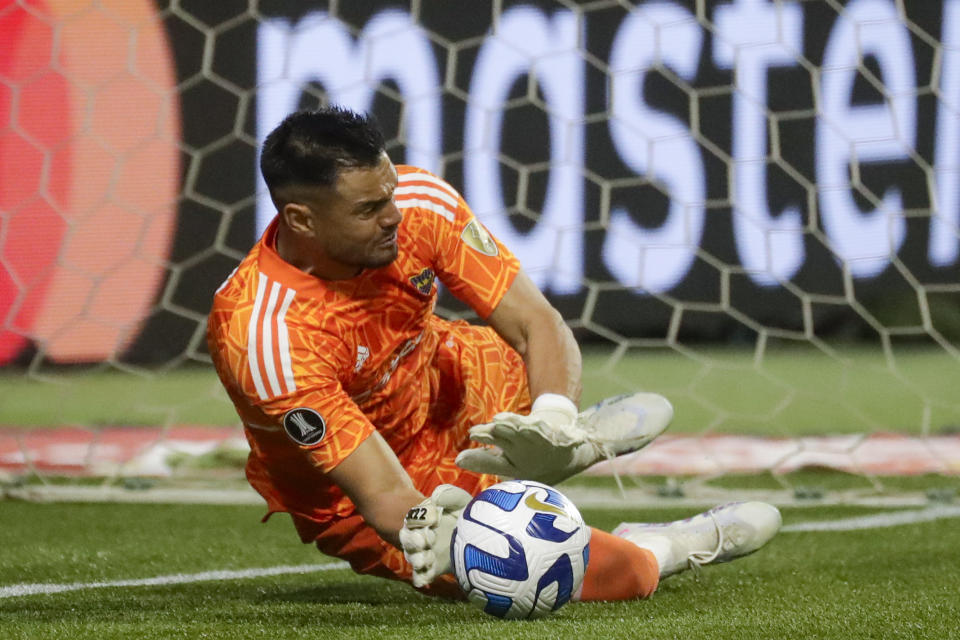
column 310, row 147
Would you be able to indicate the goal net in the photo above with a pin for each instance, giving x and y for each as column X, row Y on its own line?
column 749, row 206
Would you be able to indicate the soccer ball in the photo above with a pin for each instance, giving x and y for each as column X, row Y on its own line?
column 520, row 549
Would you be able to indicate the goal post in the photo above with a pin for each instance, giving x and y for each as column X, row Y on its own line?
column 749, row 206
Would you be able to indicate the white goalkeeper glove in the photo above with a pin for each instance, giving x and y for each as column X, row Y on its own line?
column 427, row 529
column 555, row 442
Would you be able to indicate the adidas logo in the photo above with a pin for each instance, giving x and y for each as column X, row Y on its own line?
column 362, row 354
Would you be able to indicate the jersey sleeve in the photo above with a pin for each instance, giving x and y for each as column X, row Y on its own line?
column 317, row 415
column 468, row 260
column 324, row 422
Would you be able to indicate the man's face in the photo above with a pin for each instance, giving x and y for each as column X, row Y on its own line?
column 356, row 221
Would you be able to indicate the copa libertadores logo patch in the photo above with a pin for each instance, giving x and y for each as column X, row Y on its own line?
column 477, row 238
column 304, row 426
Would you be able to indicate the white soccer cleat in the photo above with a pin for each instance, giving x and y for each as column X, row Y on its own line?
column 719, row 535
column 626, row 423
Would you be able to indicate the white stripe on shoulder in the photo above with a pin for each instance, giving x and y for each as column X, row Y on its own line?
column 430, row 205
column 419, row 189
column 432, row 179
column 267, row 334
column 283, row 335
column 253, row 360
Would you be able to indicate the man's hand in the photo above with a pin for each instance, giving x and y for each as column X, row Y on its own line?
column 427, row 529
column 554, row 442
column 540, row 446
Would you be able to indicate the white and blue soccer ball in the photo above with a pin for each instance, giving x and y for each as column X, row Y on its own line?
column 520, row 549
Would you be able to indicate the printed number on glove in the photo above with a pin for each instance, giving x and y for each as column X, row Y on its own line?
column 427, row 529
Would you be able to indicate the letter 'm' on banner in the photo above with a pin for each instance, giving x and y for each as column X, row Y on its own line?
column 321, row 49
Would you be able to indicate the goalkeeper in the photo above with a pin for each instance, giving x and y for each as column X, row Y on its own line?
column 358, row 401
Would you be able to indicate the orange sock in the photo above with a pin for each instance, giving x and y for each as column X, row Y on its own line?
column 618, row 570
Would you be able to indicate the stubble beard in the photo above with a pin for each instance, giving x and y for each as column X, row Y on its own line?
column 375, row 260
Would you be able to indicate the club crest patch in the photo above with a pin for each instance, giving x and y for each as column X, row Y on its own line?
column 304, row 426
column 478, row 239
column 423, row 281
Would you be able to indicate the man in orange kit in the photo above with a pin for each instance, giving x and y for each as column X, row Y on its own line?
column 360, row 403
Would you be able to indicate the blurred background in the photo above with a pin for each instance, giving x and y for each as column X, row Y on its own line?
column 751, row 207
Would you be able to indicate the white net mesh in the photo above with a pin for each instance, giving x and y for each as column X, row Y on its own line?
column 751, row 207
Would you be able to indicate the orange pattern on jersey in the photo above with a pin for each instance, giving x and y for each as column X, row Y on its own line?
column 367, row 354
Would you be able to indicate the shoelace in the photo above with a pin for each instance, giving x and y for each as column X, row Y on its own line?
column 697, row 559
column 601, row 451
column 610, row 456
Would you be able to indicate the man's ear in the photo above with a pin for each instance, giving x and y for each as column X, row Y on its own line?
column 298, row 217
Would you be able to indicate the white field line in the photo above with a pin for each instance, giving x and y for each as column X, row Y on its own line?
column 845, row 524
column 15, row 590
column 878, row 520
column 583, row 497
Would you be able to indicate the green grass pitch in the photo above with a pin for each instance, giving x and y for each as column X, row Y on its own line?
column 893, row 582
column 787, row 391
column 896, row 582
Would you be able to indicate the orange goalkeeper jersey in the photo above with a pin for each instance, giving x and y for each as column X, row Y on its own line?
column 315, row 366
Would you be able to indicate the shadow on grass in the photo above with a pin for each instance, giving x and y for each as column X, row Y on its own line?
column 369, row 591
column 356, row 601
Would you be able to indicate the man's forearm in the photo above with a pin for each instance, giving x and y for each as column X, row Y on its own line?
column 373, row 478
column 385, row 515
column 553, row 360
column 527, row 321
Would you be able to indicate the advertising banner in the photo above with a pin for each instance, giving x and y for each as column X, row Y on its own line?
column 676, row 170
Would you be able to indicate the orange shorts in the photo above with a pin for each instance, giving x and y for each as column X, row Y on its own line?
column 475, row 376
